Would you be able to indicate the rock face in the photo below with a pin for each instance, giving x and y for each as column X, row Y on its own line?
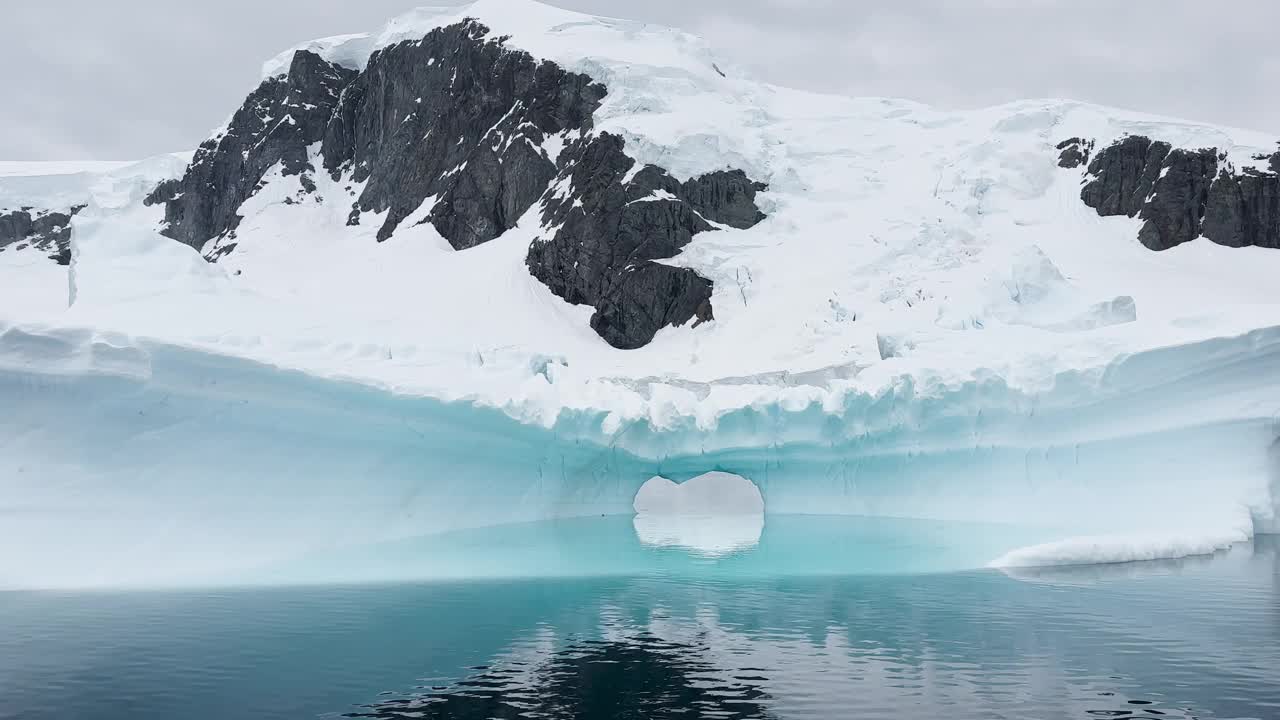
column 276, row 124
column 1074, row 153
column 1181, row 194
column 45, row 231
column 458, row 130
column 610, row 225
column 1245, row 209
column 1176, row 206
column 460, row 119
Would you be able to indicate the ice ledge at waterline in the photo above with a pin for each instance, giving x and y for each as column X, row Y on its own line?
column 120, row 458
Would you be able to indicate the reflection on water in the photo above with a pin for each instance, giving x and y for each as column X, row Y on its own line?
column 703, row 536
column 642, row 677
column 1191, row 639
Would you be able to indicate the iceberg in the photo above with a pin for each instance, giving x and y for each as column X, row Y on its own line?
column 919, row 319
column 125, row 461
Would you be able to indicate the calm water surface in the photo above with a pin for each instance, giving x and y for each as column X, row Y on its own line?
column 1191, row 639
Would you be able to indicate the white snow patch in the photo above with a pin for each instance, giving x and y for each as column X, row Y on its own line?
column 60, row 185
column 1122, row 548
column 351, row 51
column 553, row 145
column 655, row 196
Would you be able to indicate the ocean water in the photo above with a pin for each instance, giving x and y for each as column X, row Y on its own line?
column 770, row 629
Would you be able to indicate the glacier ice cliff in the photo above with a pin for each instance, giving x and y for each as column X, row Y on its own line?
column 127, row 462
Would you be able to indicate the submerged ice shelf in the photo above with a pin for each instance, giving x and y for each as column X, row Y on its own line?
column 127, row 462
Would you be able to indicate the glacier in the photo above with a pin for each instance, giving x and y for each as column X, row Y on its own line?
column 928, row 325
column 140, row 463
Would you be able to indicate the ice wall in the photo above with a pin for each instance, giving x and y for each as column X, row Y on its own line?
column 150, row 463
column 129, row 462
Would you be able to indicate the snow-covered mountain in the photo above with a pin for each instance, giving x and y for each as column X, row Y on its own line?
column 612, row 255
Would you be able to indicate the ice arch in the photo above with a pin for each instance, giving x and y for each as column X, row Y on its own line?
column 713, row 514
column 130, row 462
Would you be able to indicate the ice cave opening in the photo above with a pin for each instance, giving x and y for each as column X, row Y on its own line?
column 712, row 515
column 710, row 494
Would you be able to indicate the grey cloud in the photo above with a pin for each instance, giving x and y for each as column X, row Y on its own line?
column 87, row 79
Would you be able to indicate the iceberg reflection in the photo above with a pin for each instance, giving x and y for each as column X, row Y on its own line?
column 704, row 535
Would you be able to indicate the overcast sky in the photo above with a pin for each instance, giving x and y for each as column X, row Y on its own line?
column 121, row 80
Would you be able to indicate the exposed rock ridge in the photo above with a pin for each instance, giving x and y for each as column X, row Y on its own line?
column 607, row 225
column 1180, row 194
column 1075, row 152
column 461, row 131
column 276, row 124
column 46, row 231
column 458, row 121
column 453, row 119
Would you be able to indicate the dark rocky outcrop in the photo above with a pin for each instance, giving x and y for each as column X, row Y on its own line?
column 1182, row 194
column 1176, row 205
column 1074, row 153
column 1122, row 175
column 276, row 124
column 46, row 231
column 608, row 229
column 453, row 116
column 458, row 118
column 1244, row 209
column 459, row 121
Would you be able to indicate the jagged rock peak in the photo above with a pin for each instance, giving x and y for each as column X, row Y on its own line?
column 276, row 124
column 1074, row 152
column 1181, row 194
column 454, row 116
column 458, row 117
column 458, row 129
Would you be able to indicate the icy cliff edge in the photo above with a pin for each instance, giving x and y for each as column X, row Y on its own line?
column 126, row 461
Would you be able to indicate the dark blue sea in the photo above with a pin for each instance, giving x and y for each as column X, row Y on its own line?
column 1196, row 638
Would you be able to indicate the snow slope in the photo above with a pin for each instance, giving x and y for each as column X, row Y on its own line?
column 30, row 285
column 929, row 324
